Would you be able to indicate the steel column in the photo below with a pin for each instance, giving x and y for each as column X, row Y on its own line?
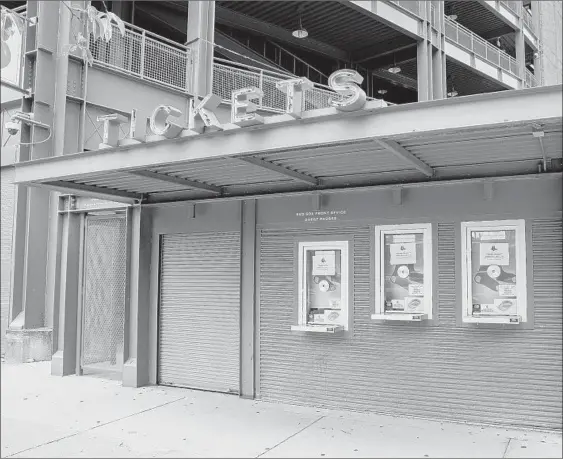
column 65, row 356
column 136, row 341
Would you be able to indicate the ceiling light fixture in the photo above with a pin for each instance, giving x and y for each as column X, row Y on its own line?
column 395, row 69
column 300, row 32
column 382, row 91
column 452, row 17
column 452, row 93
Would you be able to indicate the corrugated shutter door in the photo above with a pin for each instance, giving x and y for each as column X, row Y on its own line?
column 7, row 223
column 502, row 376
column 199, row 317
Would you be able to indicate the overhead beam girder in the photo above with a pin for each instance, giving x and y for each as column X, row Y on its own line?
column 91, row 191
column 383, row 49
column 280, row 170
column 499, row 32
column 230, row 18
column 178, row 181
column 400, row 57
column 405, row 155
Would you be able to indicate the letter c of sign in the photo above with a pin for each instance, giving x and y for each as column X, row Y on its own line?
column 160, row 125
column 344, row 82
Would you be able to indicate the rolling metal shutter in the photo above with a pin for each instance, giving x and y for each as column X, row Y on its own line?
column 7, row 223
column 199, row 312
column 501, row 376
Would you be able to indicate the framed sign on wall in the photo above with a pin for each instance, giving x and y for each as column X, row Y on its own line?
column 403, row 272
column 494, row 271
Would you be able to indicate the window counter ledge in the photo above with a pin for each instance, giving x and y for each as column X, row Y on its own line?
column 401, row 317
column 318, row 328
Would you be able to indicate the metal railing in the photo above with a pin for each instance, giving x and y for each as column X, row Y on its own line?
column 530, row 80
column 229, row 76
column 528, row 20
column 412, row 6
column 514, row 6
column 147, row 56
column 481, row 47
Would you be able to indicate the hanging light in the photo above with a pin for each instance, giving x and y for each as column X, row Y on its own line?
column 395, row 68
column 452, row 93
column 452, row 16
column 300, row 32
column 382, row 91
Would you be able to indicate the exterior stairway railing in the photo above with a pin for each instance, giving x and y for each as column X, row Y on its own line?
column 481, row 47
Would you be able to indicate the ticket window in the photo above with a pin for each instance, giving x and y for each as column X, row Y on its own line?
column 494, row 271
column 323, row 286
column 403, row 272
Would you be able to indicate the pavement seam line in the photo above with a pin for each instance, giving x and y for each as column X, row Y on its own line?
column 506, row 449
column 74, row 434
column 290, row 437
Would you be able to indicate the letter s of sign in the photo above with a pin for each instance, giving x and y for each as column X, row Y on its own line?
column 160, row 125
column 344, row 82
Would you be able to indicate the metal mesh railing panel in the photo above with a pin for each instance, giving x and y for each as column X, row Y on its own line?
column 227, row 79
column 165, row 64
column 147, row 57
column 104, row 292
column 121, row 53
column 274, row 99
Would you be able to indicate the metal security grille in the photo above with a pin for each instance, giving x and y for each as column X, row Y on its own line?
column 445, row 371
column 104, row 292
column 199, row 311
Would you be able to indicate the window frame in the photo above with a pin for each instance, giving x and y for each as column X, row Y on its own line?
column 302, row 313
column 379, row 267
column 519, row 226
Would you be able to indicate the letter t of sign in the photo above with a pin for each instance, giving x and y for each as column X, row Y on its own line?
column 294, row 90
column 242, row 110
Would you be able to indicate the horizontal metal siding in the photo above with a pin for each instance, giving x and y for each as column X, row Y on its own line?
column 8, row 190
column 199, row 317
column 503, row 376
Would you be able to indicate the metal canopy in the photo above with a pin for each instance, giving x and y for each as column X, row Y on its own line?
column 485, row 135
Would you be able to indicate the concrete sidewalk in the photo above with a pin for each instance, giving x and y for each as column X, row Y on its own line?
column 47, row 416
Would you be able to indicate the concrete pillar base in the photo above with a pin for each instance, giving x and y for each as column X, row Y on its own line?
column 131, row 375
column 28, row 345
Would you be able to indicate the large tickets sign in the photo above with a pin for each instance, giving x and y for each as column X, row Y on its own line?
column 12, row 47
column 165, row 120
